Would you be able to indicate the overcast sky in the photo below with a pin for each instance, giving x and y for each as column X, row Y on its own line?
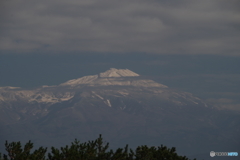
column 124, row 26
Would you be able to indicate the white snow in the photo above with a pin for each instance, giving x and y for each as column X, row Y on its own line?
column 108, row 103
column 10, row 87
column 113, row 72
column 99, row 96
column 113, row 77
column 67, row 96
column 83, row 80
column 92, row 78
column 123, row 93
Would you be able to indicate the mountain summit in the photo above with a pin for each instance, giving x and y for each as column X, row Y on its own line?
column 113, row 77
column 113, row 72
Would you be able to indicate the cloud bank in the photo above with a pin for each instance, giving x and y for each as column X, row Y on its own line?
column 126, row 26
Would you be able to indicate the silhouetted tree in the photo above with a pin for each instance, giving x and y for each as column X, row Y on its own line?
column 16, row 152
column 91, row 150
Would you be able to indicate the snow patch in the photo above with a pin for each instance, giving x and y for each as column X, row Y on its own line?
column 123, row 93
column 113, row 72
column 99, row 96
column 113, row 77
column 83, row 80
column 108, row 103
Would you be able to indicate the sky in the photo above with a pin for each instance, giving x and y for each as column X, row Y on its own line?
column 188, row 45
column 110, row 26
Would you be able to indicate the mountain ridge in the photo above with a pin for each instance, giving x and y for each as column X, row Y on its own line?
column 112, row 77
column 121, row 106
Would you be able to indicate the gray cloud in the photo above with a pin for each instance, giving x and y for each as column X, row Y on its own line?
column 161, row 27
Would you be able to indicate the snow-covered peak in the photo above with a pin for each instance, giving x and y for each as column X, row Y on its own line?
column 113, row 72
column 113, row 77
column 95, row 79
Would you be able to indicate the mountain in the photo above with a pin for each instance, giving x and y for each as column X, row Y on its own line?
column 121, row 105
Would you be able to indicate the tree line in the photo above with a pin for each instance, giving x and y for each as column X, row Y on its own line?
column 91, row 150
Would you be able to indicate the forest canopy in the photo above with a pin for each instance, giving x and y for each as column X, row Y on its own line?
column 91, row 150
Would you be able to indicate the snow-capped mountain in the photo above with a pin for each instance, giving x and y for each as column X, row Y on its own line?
column 112, row 83
column 121, row 105
column 113, row 77
column 66, row 91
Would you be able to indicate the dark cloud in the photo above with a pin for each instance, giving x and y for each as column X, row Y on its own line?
column 161, row 27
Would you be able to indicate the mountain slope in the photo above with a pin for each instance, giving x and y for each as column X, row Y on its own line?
column 122, row 106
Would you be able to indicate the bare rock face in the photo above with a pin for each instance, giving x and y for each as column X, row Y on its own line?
column 122, row 106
